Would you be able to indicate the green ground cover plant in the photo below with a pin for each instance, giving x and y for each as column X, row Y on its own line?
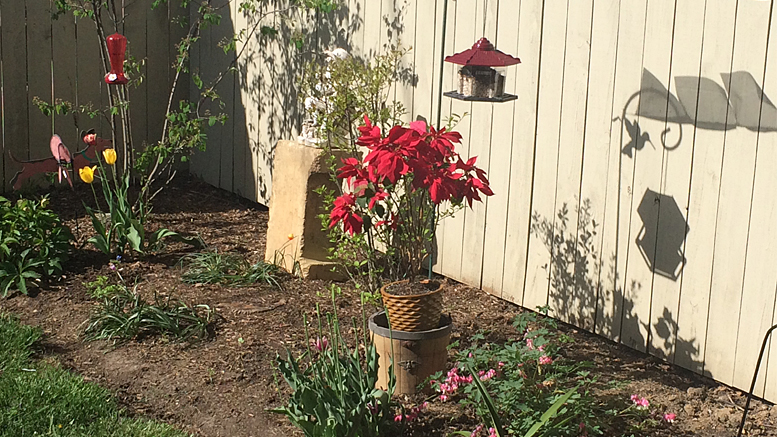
column 227, row 269
column 527, row 388
column 34, row 243
column 38, row 398
column 123, row 314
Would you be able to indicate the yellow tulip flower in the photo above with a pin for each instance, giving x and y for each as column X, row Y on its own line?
column 87, row 174
column 110, row 156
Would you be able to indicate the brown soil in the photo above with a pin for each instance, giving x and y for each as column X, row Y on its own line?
column 413, row 288
column 222, row 387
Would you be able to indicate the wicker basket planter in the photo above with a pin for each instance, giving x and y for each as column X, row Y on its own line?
column 413, row 313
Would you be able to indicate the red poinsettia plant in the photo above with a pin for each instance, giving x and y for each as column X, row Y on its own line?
column 410, row 180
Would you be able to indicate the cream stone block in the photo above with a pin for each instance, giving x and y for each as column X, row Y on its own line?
column 294, row 231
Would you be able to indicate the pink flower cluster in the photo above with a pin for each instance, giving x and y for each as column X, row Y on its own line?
column 485, row 376
column 412, row 414
column 670, row 417
column 479, row 428
column 544, row 360
column 639, row 401
column 452, row 383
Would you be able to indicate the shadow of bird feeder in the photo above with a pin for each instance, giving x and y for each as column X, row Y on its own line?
column 663, row 232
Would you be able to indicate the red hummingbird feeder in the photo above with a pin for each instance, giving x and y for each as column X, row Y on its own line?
column 117, row 47
column 483, row 72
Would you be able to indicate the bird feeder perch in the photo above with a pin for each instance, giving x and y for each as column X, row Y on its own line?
column 117, row 46
column 483, row 72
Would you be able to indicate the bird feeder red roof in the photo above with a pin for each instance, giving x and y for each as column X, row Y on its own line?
column 483, row 54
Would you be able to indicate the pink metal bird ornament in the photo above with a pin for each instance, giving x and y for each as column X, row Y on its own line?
column 61, row 161
column 62, row 156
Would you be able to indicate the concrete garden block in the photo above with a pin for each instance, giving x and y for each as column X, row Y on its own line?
column 294, row 231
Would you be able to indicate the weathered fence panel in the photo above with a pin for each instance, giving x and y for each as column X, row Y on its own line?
column 57, row 58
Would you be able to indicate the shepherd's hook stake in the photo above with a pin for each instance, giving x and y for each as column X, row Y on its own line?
column 755, row 376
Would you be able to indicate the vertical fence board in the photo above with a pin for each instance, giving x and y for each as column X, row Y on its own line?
column 543, row 209
column 736, row 182
column 631, row 29
column 141, row 25
column 223, row 134
column 405, row 89
column 758, row 295
column 764, row 215
column 425, row 63
column 704, row 186
column 90, row 76
column 158, row 67
column 204, row 162
column 39, row 81
column 647, row 173
column 241, row 155
column 15, row 99
column 524, row 128
column 563, row 298
column 449, row 80
column 479, row 144
column 675, row 178
column 64, row 68
column 267, row 105
column 453, row 232
column 373, row 24
column 499, row 154
column 356, row 25
column 600, row 159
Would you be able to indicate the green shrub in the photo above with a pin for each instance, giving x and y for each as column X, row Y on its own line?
column 33, row 243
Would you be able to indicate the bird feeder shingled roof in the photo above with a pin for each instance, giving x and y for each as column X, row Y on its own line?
column 483, row 54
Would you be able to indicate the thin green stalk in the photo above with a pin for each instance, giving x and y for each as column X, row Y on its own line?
column 307, row 336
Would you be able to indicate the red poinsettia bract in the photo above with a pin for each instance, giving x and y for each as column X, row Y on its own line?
column 422, row 156
column 344, row 211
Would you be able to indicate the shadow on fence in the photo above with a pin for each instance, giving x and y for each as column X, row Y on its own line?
column 586, row 290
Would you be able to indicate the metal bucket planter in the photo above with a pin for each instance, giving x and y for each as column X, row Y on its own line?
column 417, row 312
column 417, row 355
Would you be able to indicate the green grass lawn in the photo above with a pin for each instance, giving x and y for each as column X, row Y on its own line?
column 38, row 399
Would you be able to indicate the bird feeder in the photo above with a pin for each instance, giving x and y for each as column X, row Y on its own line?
column 482, row 73
column 117, row 46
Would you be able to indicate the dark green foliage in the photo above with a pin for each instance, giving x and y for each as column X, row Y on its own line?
column 33, row 243
column 125, row 315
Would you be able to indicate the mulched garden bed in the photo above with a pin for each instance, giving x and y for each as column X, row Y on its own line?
column 222, row 387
